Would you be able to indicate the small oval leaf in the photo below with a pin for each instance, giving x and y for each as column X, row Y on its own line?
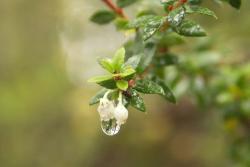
column 103, row 17
column 122, row 84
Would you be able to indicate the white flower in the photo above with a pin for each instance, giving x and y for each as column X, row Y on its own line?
column 106, row 108
column 121, row 114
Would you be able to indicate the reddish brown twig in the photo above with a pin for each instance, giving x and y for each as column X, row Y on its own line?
column 115, row 8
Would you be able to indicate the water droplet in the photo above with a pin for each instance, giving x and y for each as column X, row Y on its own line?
column 110, row 127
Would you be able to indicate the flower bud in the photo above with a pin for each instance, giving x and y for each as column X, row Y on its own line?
column 121, row 114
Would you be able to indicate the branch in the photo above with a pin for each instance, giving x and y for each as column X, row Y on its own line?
column 115, row 8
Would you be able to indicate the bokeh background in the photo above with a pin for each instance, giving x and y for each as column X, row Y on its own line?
column 48, row 50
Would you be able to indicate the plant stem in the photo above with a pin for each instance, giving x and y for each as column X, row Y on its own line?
column 115, row 8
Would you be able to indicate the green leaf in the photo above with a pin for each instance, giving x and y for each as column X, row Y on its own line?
column 145, row 12
column 106, row 64
column 176, row 16
column 106, row 81
column 149, row 24
column 127, row 73
column 109, row 84
column 95, row 99
column 235, row 3
column 122, row 84
column 168, row 93
column 200, row 10
column 190, row 28
column 149, row 52
column 136, row 101
column 133, row 61
column 170, row 39
column 166, row 59
column 148, row 87
column 121, row 24
column 99, row 79
column 118, row 59
column 103, row 17
column 125, row 3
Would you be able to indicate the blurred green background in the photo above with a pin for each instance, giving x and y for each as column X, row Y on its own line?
column 48, row 49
